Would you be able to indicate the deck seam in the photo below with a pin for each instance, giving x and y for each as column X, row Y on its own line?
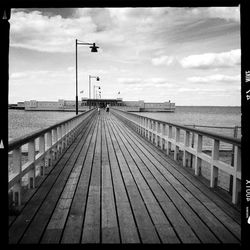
column 197, row 212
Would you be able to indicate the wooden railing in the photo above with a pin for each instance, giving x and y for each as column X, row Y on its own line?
column 51, row 142
column 167, row 136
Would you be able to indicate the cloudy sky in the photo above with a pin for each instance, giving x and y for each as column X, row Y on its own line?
column 190, row 56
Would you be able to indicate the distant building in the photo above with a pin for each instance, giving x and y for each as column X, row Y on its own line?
column 85, row 104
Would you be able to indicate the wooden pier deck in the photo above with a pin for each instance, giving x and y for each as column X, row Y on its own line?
column 113, row 186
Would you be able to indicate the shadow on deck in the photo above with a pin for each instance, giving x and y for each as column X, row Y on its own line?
column 113, row 186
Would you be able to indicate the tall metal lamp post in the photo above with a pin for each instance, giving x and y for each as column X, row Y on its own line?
column 97, row 79
column 95, row 86
column 93, row 49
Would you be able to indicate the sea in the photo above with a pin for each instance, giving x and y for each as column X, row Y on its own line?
column 21, row 122
column 24, row 122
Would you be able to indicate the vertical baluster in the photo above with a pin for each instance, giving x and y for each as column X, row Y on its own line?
column 63, row 138
column 156, row 133
column 31, row 158
column 67, row 133
column 170, row 134
column 237, row 168
column 142, row 124
column 49, row 145
column 54, row 139
column 41, row 151
column 177, row 139
column 153, row 132
column 197, row 164
column 215, row 157
column 17, row 169
column 148, row 127
column 59, row 146
column 186, row 145
column 163, row 137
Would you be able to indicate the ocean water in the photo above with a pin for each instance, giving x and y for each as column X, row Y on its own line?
column 21, row 122
column 204, row 116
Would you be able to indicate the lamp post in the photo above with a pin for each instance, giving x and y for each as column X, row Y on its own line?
column 95, row 86
column 97, row 79
column 93, row 49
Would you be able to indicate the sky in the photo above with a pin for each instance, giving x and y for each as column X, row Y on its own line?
column 191, row 56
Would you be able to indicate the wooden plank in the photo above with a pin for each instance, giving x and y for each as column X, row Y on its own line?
column 226, row 207
column 127, row 224
column 159, row 219
column 204, row 213
column 144, row 223
column 73, row 227
column 60, row 214
column 193, row 220
column 23, row 220
column 109, row 224
column 34, row 233
column 91, row 227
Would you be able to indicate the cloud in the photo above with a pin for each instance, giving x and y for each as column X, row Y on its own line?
column 200, row 90
column 214, row 78
column 162, row 60
column 33, row 30
column 212, row 60
column 147, row 82
column 227, row 13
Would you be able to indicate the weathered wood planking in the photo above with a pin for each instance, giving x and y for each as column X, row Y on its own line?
column 30, row 210
column 113, row 186
column 218, row 228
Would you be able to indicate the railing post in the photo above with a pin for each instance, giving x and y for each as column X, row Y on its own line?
column 197, row 166
column 17, row 168
column 161, row 135
column 177, row 139
column 186, row 145
column 49, row 145
column 148, row 128
column 54, row 139
column 59, row 133
column 31, row 158
column 215, row 157
column 237, row 168
column 170, row 134
column 156, row 133
column 41, row 151
column 163, row 139
column 63, row 134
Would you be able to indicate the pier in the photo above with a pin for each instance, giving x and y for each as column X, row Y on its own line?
column 122, row 178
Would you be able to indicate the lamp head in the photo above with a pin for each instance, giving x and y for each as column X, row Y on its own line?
column 94, row 48
column 97, row 78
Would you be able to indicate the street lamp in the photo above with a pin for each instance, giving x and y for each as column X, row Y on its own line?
column 93, row 49
column 97, row 79
column 95, row 86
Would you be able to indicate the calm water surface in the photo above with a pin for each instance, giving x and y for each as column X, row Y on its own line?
column 22, row 122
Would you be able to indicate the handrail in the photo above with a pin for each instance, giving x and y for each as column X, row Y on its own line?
column 26, row 138
column 206, row 126
column 160, row 133
column 59, row 136
column 224, row 138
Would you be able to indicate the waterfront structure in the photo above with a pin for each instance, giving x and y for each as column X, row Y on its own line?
column 122, row 178
column 85, row 103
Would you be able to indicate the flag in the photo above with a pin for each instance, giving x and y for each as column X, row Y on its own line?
column 81, row 91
